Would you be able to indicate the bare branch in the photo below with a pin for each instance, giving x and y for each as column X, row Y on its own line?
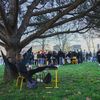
column 22, row 1
column 3, row 38
column 78, row 15
column 2, row 28
column 64, row 32
column 38, row 23
column 82, row 14
column 4, row 17
column 15, row 15
column 85, row 31
column 2, row 44
column 30, row 31
column 27, row 16
column 50, row 23
column 50, row 10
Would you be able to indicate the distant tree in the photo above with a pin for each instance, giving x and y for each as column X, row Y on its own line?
column 64, row 41
column 89, row 39
column 41, row 42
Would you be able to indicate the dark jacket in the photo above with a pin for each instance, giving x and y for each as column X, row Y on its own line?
column 98, row 56
column 21, row 66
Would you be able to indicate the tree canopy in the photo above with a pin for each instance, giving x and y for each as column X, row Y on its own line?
column 22, row 21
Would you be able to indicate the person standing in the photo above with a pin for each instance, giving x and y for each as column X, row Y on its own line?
column 98, row 56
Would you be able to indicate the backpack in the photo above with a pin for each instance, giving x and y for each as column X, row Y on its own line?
column 47, row 78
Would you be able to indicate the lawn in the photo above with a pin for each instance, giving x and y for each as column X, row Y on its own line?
column 76, row 82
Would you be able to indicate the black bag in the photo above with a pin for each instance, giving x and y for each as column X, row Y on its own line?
column 47, row 78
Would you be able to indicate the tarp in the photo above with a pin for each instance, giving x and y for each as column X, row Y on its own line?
column 28, row 56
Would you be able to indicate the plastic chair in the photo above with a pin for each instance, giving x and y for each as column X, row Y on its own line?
column 19, row 81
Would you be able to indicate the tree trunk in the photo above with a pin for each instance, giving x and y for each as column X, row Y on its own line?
column 9, row 75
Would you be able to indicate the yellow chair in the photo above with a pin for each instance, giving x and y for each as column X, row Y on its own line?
column 55, row 81
column 19, row 81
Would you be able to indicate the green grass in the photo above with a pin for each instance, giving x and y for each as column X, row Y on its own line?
column 76, row 82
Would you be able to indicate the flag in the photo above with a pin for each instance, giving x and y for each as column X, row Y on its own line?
column 27, row 52
column 28, row 56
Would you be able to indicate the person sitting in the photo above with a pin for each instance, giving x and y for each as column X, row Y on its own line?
column 21, row 66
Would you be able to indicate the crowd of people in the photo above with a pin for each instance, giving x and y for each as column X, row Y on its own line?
column 60, row 58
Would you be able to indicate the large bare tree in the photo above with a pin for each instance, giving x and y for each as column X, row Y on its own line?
column 37, row 18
